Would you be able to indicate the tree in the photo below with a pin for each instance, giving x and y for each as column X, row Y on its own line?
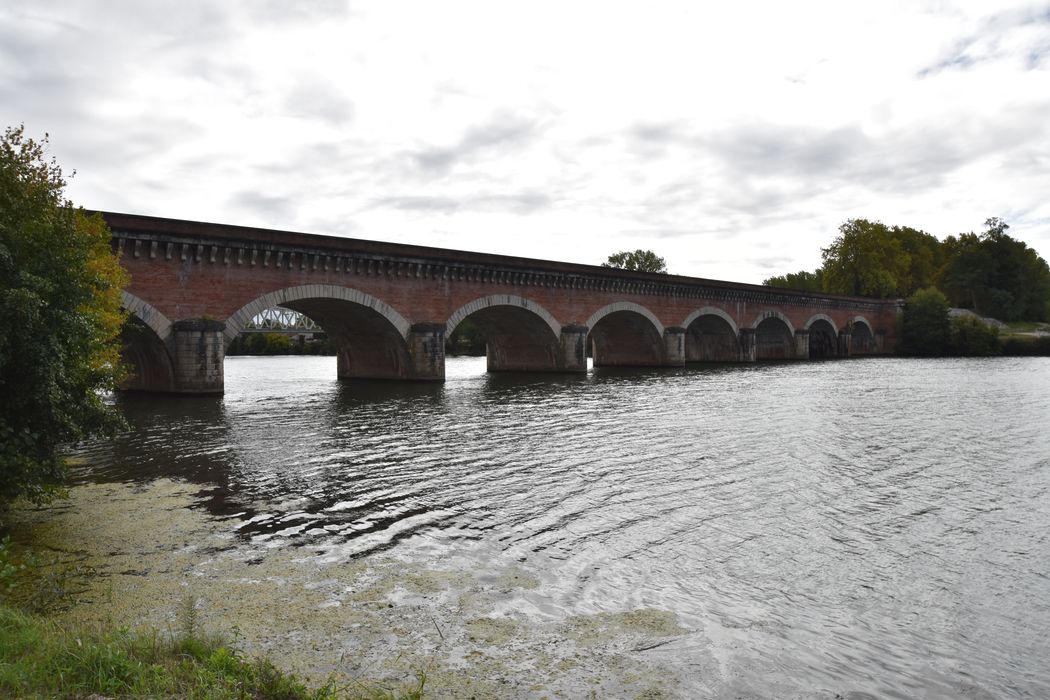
column 872, row 259
column 925, row 327
column 996, row 275
column 803, row 281
column 638, row 261
column 60, row 320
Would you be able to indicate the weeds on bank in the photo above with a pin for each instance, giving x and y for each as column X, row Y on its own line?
column 40, row 658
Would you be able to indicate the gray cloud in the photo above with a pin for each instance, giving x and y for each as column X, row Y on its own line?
column 281, row 208
column 314, row 99
column 502, row 133
column 517, row 203
column 771, row 263
column 992, row 41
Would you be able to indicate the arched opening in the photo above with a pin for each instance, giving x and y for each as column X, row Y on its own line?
column 862, row 340
column 711, row 336
column 774, row 339
column 370, row 336
column 626, row 335
column 515, row 338
column 150, row 367
column 145, row 340
column 823, row 340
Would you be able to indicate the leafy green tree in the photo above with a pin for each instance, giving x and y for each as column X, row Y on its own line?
column 802, row 281
column 637, row 260
column 996, row 275
column 863, row 261
column 60, row 319
column 873, row 259
column 925, row 327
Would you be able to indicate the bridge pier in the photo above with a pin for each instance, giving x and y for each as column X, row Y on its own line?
column 199, row 351
column 748, row 345
column 802, row 344
column 674, row 346
column 426, row 348
column 845, row 343
column 573, row 349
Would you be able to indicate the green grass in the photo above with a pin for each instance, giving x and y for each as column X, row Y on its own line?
column 43, row 658
column 40, row 658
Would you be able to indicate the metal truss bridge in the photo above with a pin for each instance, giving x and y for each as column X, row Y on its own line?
column 278, row 319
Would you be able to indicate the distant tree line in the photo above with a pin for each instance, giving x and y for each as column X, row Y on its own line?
column 280, row 344
column 990, row 273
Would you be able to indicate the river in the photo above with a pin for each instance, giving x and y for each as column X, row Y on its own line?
column 861, row 528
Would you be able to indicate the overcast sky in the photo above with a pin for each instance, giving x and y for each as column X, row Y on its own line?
column 732, row 138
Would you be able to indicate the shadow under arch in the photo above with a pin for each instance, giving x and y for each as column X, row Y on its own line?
column 371, row 336
column 711, row 335
column 862, row 336
column 520, row 335
column 146, row 347
column 823, row 337
column 625, row 334
column 774, row 336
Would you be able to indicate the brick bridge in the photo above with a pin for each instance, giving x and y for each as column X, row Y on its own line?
column 194, row 286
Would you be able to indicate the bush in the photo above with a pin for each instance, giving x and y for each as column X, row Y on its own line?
column 972, row 337
column 60, row 293
column 1027, row 346
column 925, row 328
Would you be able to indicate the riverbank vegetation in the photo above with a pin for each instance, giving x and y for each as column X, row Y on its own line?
column 41, row 657
column 990, row 273
column 60, row 293
column 281, row 344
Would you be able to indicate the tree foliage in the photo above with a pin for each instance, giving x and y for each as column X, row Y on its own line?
column 803, row 281
column 991, row 273
column 925, row 326
column 60, row 319
column 996, row 275
column 637, row 260
column 875, row 260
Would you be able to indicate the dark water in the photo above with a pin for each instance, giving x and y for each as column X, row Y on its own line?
column 874, row 526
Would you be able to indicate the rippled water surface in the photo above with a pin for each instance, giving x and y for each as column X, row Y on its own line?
column 874, row 526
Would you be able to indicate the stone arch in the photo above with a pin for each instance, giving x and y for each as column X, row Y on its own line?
column 501, row 300
column 283, row 297
column 625, row 334
column 519, row 334
column 711, row 311
column 774, row 336
column 147, row 314
column 821, row 317
column 371, row 337
column 772, row 313
column 861, row 320
column 823, row 340
column 862, row 336
column 625, row 306
column 146, row 347
column 711, row 335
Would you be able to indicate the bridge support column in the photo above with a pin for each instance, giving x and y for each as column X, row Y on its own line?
column 426, row 347
column 674, row 346
column 748, row 347
column 199, row 352
column 573, row 349
column 802, row 345
column 845, row 343
column 880, row 342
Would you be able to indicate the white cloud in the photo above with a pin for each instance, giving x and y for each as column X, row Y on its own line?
column 732, row 138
